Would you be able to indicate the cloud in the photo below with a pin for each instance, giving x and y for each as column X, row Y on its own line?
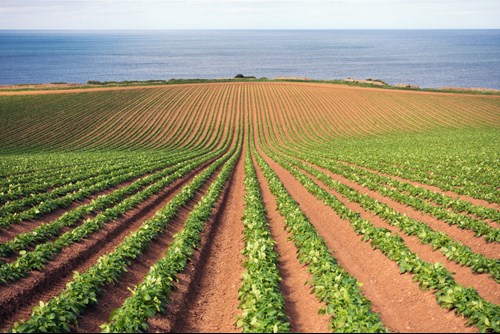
column 196, row 14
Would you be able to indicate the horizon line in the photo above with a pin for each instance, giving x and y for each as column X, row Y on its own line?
column 201, row 29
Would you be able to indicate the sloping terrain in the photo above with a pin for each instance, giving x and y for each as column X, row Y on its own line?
column 271, row 206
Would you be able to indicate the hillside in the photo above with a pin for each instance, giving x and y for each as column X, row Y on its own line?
column 216, row 202
column 145, row 118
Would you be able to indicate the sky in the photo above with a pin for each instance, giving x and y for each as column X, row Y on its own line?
column 249, row 14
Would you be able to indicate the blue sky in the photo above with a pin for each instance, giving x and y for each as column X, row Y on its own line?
column 249, row 14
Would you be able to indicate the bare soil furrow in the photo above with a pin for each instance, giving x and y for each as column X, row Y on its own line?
column 482, row 283
column 393, row 295
column 448, row 193
column 478, row 245
column 17, row 299
column 28, row 225
column 207, row 296
column 113, row 296
column 300, row 305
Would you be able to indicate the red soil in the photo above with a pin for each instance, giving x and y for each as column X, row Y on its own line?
column 448, row 193
column 28, row 225
column 300, row 305
column 478, row 245
column 393, row 295
column 17, row 299
column 207, row 295
column 113, row 296
column 483, row 284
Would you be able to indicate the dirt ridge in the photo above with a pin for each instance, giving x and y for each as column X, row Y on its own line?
column 17, row 299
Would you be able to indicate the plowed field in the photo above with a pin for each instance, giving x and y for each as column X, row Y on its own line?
column 249, row 207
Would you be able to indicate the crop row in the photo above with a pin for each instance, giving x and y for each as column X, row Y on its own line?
column 465, row 170
column 144, row 118
column 152, row 295
column 52, row 169
column 381, row 183
column 261, row 301
column 349, row 309
column 452, row 249
column 410, row 195
column 456, row 161
column 45, row 252
column 61, row 202
column 455, row 204
column 79, row 182
column 77, row 114
column 449, row 294
column 70, row 218
column 372, row 182
column 63, row 310
column 81, row 192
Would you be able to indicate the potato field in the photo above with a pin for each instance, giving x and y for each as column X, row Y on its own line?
column 249, row 207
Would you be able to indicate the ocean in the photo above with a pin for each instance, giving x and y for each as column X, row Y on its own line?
column 427, row 58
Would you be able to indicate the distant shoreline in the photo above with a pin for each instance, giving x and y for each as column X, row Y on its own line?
column 368, row 83
column 427, row 58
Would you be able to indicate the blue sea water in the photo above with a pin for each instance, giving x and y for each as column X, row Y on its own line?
column 428, row 58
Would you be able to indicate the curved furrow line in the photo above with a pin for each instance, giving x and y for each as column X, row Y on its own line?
column 170, row 121
column 126, row 126
column 194, row 125
column 71, row 185
column 119, row 113
column 189, row 190
column 73, row 217
column 443, row 293
column 57, row 106
column 125, row 137
column 388, row 217
column 190, row 125
column 69, row 118
column 164, row 112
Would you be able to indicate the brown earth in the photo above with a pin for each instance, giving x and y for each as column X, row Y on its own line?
column 18, row 298
column 393, row 295
column 478, row 245
column 207, row 294
column 300, row 305
column 28, row 225
column 206, row 299
column 114, row 295
column 482, row 283
column 448, row 193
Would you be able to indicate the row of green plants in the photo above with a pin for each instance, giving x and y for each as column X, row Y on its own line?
column 70, row 218
column 49, row 121
column 375, row 182
column 13, row 186
column 373, row 150
column 430, row 276
column 61, row 179
column 62, row 311
column 450, row 248
column 132, row 131
column 18, row 168
column 55, row 192
column 36, row 197
column 473, row 158
column 151, row 296
column 456, row 204
column 464, row 161
column 45, row 207
column 350, row 311
column 36, row 259
column 88, row 125
column 261, row 301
